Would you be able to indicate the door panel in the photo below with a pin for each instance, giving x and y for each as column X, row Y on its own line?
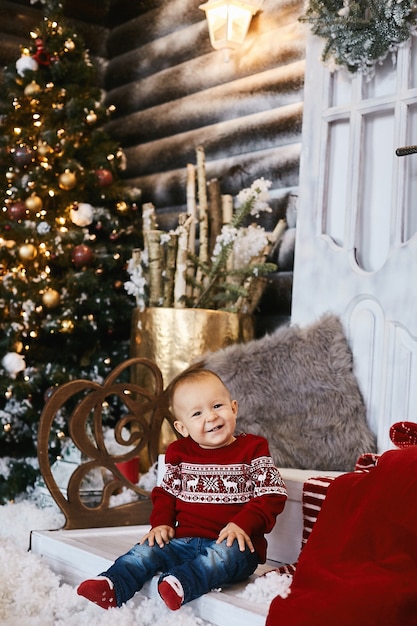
column 356, row 247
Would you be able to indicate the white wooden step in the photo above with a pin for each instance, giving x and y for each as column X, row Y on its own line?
column 79, row 554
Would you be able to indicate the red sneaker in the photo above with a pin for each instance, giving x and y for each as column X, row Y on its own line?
column 171, row 592
column 99, row 590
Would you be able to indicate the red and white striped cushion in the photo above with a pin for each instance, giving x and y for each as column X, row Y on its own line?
column 314, row 493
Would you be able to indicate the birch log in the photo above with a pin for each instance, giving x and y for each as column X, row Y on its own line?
column 191, row 205
column 215, row 212
column 156, row 265
column 202, row 204
column 227, row 216
column 227, row 208
column 180, row 286
column 148, row 217
column 170, row 268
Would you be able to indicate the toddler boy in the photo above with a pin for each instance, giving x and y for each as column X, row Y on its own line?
column 220, row 495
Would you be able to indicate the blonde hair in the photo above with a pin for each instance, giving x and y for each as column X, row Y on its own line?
column 191, row 374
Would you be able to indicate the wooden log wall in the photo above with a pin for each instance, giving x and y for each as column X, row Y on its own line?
column 173, row 93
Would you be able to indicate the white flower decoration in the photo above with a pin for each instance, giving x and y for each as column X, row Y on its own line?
column 249, row 245
column 257, row 193
column 43, row 228
column 13, row 363
column 25, row 63
column 227, row 236
column 136, row 286
column 83, row 215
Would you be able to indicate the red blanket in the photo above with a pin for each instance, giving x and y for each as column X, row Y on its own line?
column 359, row 566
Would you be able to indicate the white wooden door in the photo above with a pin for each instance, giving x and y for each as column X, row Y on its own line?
column 356, row 246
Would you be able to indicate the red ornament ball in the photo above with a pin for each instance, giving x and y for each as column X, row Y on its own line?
column 105, row 177
column 82, row 255
column 17, row 211
column 22, row 156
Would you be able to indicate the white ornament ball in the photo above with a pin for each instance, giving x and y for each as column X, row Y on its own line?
column 82, row 215
column 25, row 63
column 13, row 363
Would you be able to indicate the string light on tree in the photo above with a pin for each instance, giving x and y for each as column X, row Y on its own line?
column 91, row 117
column 122, row 207
column 69, row 45
column 28, row 252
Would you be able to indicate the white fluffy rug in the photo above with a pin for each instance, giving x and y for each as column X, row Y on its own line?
column 32, row 595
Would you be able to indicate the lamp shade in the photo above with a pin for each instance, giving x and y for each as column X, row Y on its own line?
column 229, row 20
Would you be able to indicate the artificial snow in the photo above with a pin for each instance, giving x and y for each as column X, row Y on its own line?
column 264, row 589
column 31, row 594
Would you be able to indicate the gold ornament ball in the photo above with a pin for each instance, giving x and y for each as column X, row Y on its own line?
column 67, row 180
column 32, row 89
column 34, row 203
column 51, row 298
column 27, row 252
column 91, row 117
column 69, row 45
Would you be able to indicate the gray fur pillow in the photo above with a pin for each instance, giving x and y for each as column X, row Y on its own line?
column 296, row 387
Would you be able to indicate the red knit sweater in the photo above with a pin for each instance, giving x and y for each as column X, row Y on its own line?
column 205, row 489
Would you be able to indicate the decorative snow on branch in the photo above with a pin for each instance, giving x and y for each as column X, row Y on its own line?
column 360, row 34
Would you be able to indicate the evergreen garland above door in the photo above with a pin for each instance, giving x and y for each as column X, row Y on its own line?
column 359, row 34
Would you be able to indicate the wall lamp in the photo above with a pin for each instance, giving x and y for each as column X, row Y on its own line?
column 229, row 21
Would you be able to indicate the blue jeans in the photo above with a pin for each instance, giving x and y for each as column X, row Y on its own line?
column 199, row 564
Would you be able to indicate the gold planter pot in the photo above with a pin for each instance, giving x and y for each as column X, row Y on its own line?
column 174, row 338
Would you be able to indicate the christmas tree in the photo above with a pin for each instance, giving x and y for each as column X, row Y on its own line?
column 68, row 225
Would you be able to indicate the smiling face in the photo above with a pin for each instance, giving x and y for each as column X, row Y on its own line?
column 204, row 411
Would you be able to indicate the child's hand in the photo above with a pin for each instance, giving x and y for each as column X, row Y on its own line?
column 233, row 531
column 160, row 534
